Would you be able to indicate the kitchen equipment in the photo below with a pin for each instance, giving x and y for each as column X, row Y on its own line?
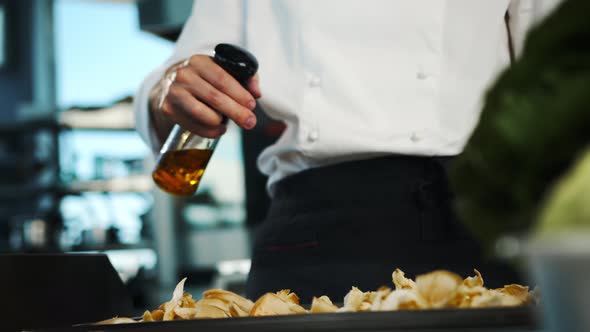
column 561, row 266
column 45, row 290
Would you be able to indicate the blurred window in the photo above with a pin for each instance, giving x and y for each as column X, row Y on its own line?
column 101, row 55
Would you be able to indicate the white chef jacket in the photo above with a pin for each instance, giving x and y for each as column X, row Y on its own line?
column 355, row 79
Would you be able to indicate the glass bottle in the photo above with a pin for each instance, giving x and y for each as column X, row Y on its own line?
column 184, row 156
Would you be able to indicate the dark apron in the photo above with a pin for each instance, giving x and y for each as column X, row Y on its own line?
column 353, row 223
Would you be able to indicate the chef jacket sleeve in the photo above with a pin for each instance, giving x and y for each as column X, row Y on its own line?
column 211, row 22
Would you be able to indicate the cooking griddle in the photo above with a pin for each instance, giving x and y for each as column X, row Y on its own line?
column 489, row 319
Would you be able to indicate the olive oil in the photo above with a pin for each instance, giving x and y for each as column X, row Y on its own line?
column 179, row 172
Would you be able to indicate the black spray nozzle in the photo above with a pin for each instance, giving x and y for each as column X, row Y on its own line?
column 238, row 62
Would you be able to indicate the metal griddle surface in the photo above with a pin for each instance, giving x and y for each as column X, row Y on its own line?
column 493, row 319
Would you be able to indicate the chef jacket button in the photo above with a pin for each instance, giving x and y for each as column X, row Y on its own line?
column 421, row 75
column 313, row 136
column 315, row 81
column 415, row 137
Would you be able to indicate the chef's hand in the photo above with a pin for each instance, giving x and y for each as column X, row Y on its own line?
column 196, row 93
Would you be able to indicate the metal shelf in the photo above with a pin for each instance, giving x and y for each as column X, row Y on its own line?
column 136, row 183
column 118, row 116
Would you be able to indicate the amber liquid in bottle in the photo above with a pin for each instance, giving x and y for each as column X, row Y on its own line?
column 179, row 172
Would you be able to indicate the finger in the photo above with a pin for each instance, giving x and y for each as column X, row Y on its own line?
column 183, row 103
column 224, row 82
column 188, row 123
column 204, row 131
column 219, row 101
column 207, row 132
column 253, row 85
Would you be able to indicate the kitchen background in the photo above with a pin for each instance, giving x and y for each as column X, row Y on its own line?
column 75, row 176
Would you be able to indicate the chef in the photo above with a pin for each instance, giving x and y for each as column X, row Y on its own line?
column 377, row 97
